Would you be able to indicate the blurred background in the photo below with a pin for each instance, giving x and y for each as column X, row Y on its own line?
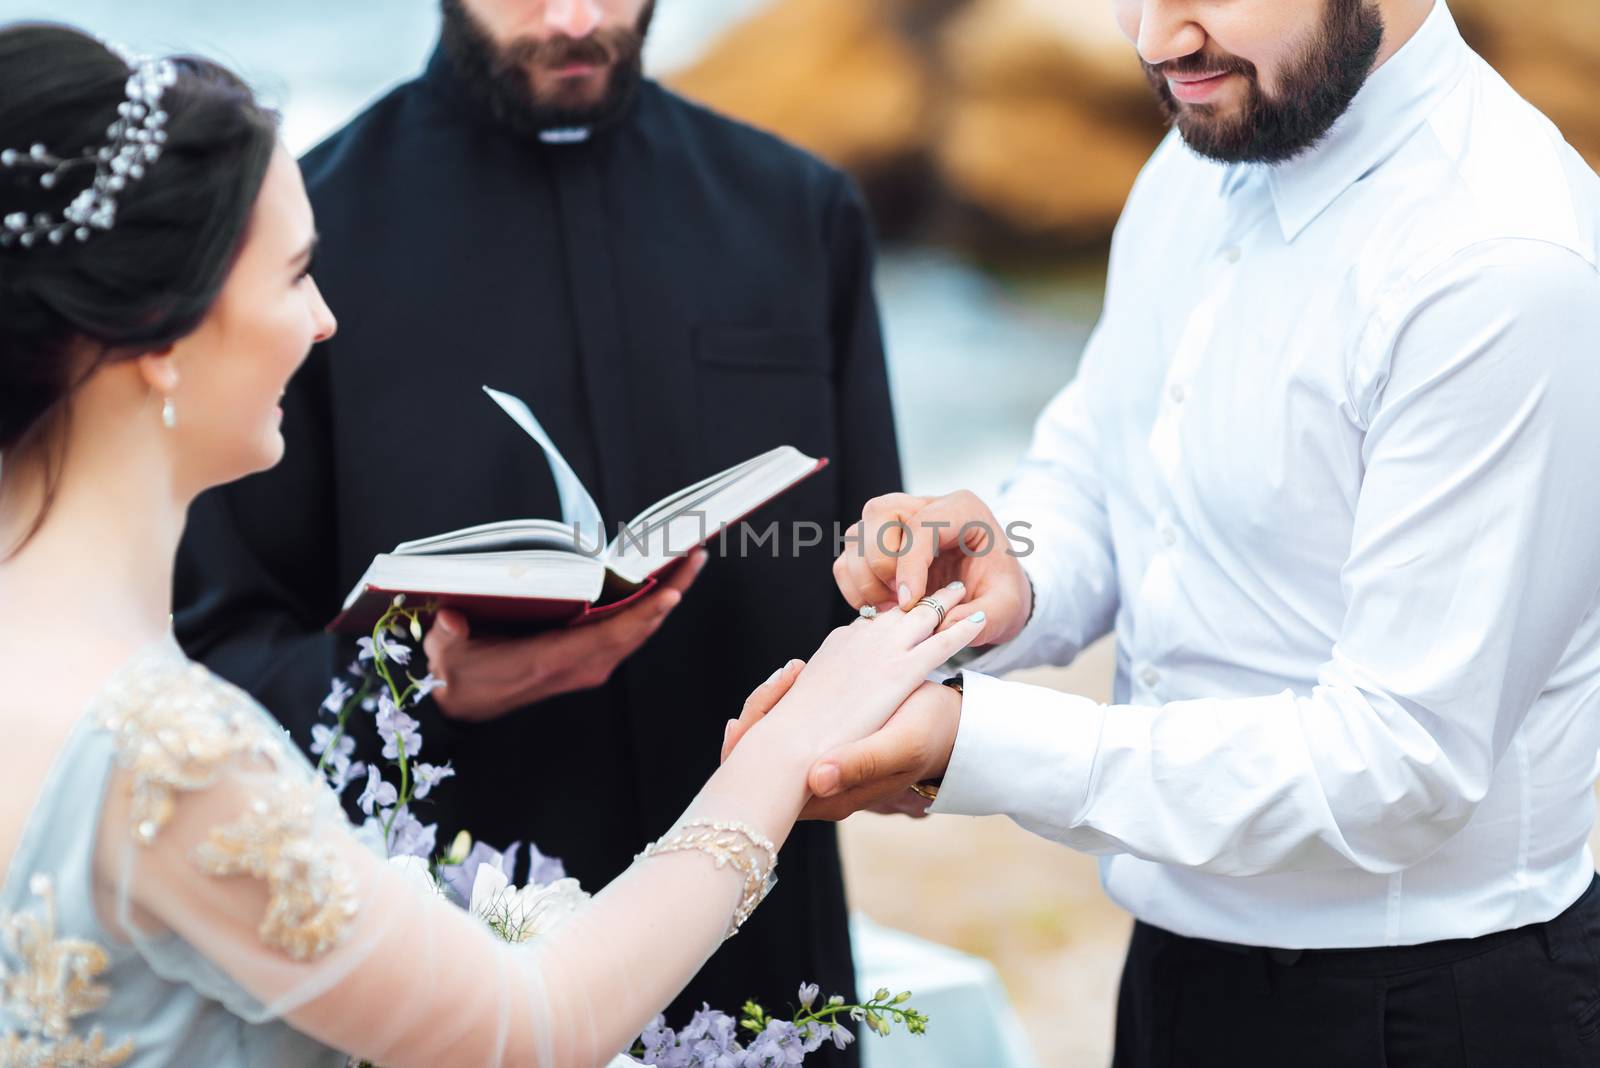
column 996, row 140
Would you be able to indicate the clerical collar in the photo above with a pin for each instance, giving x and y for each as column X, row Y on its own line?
column 565, row 135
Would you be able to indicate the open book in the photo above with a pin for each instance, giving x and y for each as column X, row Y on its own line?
column 532, row 573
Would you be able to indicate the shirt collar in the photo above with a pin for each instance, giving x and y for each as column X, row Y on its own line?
column 1396, row 99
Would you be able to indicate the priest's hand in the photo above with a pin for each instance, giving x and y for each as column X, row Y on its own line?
column 904, row 546
column 485, row 678
column 876, row 773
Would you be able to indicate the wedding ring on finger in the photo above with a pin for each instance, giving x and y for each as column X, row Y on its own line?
column 936, row 606
column 868, row 611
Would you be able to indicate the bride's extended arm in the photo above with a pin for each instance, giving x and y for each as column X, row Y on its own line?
column 235, row 872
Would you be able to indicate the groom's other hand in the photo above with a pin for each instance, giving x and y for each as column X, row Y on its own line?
column 485, row 678
column 876, row 773
column 905, row 546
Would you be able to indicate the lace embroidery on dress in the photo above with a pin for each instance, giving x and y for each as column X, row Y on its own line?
column 176, row 728
column 53, row 985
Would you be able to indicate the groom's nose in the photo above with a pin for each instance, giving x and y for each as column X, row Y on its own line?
column 574, row 18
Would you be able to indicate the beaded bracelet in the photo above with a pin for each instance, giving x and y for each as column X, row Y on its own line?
column 729, row 844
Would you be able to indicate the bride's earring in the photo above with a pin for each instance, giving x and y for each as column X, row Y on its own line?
column 169, row 414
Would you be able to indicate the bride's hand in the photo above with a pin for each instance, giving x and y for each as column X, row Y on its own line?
column 859, row 676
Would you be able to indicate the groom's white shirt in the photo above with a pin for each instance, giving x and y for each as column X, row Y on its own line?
column 1331, row 466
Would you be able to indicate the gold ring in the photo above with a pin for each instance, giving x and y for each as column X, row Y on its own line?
column 925, row 791
column 936, row 606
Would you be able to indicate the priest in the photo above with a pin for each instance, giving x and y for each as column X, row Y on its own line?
column 671, row 292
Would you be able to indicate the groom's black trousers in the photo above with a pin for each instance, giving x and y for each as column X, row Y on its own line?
column 1526, row 998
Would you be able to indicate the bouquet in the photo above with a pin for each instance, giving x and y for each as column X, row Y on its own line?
column 479, row 878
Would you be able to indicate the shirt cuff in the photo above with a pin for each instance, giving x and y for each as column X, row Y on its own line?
column 1022, row 751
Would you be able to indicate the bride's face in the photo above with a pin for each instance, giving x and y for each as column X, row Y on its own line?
column 234, row 368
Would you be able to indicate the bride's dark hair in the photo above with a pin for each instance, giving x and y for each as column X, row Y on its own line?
column 67, row 308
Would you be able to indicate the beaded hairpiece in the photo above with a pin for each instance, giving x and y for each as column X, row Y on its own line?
column 133, row 144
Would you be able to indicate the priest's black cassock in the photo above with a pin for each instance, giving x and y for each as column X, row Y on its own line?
column 672, row 295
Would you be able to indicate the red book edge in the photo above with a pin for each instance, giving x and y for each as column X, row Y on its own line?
column 531, row 612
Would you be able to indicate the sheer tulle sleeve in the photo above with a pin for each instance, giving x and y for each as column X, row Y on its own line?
column 232, row 869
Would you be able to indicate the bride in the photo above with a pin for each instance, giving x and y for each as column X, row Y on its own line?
column 180, row 888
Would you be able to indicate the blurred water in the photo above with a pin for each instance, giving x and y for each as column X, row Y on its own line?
column 973, row 358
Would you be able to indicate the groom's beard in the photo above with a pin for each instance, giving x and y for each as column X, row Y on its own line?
column 502, row 78
column 1316, row 88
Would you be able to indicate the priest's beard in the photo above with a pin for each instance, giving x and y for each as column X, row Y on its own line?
column 1316, row 87
column 501, row 78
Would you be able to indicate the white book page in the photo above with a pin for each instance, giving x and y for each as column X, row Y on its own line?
column 578, row 510
column 697, row 516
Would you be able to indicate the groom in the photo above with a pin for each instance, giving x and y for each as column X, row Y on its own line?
column 1331, row 472
column 672, row 293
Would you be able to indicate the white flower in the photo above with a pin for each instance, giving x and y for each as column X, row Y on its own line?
column 417, row 875
column 519, row 915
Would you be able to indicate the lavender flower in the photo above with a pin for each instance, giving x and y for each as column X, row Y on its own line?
column 459, row 878
column 341, row 692
column 409, row 836
column 426, row 685
column 396, row 729
column 342, row 771
column 425, row 777
column 378, row 792
column 399, row 652
column 543, row 870
column 710, row 1039
column 661, row 1045
column 778, row 1045
column 322, row 736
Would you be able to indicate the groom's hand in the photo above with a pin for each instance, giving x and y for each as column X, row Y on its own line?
column 484, row 678
column 905, row 546
column 876, row 773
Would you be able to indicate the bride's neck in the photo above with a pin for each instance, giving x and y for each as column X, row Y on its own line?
column 102, row 560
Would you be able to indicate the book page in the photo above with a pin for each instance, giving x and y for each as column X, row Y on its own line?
column 578, row 509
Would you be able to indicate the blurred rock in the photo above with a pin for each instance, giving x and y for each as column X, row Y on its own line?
column 837, row 77
column 1047, row 117
column 990, row 121
column 1040, row 166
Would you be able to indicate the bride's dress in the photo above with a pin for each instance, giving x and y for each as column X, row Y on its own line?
column 186, row 891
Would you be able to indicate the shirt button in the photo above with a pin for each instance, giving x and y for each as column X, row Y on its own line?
column 1177, row 392
column 1233, row 253
column 1169, row 536
column 1150, row 676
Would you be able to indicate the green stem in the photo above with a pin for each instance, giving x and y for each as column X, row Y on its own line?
column 344, row 716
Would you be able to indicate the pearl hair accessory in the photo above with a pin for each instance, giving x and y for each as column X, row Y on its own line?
column 134, row 143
